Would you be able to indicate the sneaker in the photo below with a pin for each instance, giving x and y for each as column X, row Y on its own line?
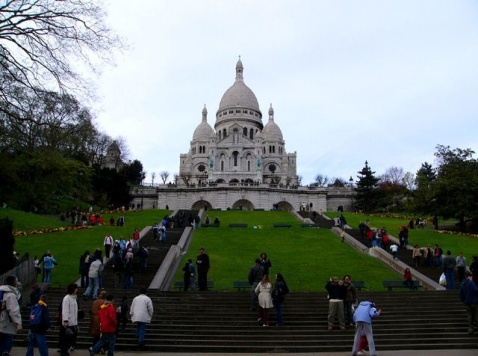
column 72, row 349
column 361, row 352
column 90, row 350
column 260, row 319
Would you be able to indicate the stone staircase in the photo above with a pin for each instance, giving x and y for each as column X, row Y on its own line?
column 222, row 321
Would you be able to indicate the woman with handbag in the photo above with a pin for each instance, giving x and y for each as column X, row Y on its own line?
column 69, row 320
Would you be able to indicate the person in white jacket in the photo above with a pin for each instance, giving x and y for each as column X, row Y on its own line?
column 141, row 312
column 10, row 317
column 69, row 318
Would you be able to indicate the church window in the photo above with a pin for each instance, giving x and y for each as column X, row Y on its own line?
column 224, row 133
column 248, row 166
column 238, row 111
column 220, row 115
column 235, row 154
column 231, row 111
column 222, row 166
column 219, row 135
column 256, row 114
column 235, row 136
column 264, row 150
column 244, row 111
column 250, row 112
column 244, row 131
column 224, row 113
column 251, row 134
column 273, row 149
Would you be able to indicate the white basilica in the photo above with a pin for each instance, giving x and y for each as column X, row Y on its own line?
column 239, row 164
column 240, row 149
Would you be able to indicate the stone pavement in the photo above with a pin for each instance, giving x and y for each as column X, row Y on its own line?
column 21, row 351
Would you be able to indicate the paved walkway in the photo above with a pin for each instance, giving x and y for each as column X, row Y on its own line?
column 21, row 351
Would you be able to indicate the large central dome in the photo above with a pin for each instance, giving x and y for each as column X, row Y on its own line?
column 239, row 97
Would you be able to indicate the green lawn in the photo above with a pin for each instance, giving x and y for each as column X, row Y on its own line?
column 456, row 242
column 307, row 257
column 67, row 246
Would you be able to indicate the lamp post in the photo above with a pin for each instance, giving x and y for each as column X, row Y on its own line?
column 142, row 196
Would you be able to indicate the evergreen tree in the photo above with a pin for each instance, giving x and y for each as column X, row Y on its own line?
column 366, row 189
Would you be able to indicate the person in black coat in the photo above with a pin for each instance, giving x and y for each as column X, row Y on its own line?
column 202, row 263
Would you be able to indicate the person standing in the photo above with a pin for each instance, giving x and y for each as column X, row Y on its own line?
column 363, row 316
column 107, row 316
column 263, row 290
column 449, row 264
column 189, row 275
column 337, row 291
column 11, row 321
column 69, row 317
column 265, row 263
column 38, row 330
column 141, row 312
column 461, row 266
column 278, row 295
column 469, row 296
column 108, row 242
column 350, row 300
column 202, row 263
column 254, row 277
column 83, row 269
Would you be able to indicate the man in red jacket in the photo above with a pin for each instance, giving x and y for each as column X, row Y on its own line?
column 107, row 316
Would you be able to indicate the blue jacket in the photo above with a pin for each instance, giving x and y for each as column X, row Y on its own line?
column 365, row 312
column 49, row 262
column 469, row 292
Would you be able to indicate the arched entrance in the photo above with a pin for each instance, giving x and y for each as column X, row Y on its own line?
column 284, row 206
column 201, row 204
column 243, row 204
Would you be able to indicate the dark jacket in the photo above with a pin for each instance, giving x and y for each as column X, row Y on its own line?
column 469, row 292
column 336, row 291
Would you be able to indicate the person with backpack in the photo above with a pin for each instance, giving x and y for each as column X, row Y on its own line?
column 39, row 325
column 278, row 295
column 10, row 316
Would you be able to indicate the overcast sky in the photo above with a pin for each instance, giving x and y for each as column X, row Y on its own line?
column 383, row 81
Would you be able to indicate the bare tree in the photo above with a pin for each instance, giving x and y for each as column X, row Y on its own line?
column 153, row 175
column 164, row 176
column 41, row 44
column 186, row 177
column 409, row 181
column 321, row 180
column 393, row 175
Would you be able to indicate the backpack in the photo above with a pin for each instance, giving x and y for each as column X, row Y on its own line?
column 36, row 315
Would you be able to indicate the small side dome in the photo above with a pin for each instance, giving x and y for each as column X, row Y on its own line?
column 271, row 131
column 204, row 131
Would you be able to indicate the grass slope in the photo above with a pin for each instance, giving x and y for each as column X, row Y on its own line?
column 307, row 257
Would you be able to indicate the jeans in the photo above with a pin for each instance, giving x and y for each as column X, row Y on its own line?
column 450, row 278
column 127, row 282
column 140, row 331
column 6, row 343
column 105, row 338
column 92, row 290
column 278, row 307
column 46, row 275
column 40, row 341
